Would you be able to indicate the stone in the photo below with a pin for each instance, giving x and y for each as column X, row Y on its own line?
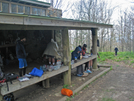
column 83, row 79
column 79, row 79
column 58, row 94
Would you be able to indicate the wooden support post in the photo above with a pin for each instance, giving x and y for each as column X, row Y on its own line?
column 6, row 52
column 94, row 46
column 45, row 83
column 1, row 97
column 52, row 34
column 66, row 56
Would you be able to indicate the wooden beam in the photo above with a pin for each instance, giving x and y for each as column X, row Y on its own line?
column 25, row 20
column 46, row 83
column 52, row 34
column 94, row 46
column 66, row 56
column 103, row 65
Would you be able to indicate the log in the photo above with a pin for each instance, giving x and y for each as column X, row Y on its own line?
column 94, row 46
column 66, row 56
column 103, row 65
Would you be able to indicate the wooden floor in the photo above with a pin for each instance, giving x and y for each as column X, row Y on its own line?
column 17, row 85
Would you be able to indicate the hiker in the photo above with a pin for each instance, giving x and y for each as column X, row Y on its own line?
column 116, row 50
column 21, row 55
column 87, row 70
column 52, row 52
column 76, row 55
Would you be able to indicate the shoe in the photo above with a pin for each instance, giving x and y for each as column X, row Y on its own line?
column 89, row 71
column 86, row 72
column 79, row 75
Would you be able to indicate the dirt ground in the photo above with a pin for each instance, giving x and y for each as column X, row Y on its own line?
column 117, row 85
column 36, row 91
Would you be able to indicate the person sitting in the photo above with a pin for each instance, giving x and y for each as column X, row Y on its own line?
column 76, row 55
column 87, row 70
column 52, row 52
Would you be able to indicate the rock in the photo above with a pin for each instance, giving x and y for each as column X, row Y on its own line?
column 49, row 95
column 83, row 79
column 58, row 94
column 80, row 91
column 79, row 79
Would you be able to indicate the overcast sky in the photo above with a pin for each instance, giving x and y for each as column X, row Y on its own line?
column 122, row 4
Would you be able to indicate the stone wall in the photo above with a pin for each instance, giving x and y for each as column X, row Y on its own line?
column 36, row 41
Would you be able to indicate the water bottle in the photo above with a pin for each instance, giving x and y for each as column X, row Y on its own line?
column 75, row 59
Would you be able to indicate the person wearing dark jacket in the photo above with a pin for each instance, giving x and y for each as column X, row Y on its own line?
column 116, row 50
column 76, row 55
column 21, row 55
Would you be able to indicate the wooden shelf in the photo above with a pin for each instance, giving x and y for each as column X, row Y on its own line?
column 17, row 85
column 80, row 62
column 9, row 45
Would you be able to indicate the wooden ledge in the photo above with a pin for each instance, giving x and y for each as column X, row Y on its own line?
column 17, row 85
column 80, row 62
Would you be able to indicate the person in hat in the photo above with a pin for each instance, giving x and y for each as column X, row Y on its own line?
column 52, row 52
column 21, row 55
column 87, row 70
column 116, row 50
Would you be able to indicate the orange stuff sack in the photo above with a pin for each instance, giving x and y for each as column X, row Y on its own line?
column 66, row 92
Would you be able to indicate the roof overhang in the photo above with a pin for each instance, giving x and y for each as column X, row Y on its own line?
column 19, row 22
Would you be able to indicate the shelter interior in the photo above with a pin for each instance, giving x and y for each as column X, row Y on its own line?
column 35, row 45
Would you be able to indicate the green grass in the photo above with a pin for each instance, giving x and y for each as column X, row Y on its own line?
column 122, row 56
column 107, row 99
column 65, row 86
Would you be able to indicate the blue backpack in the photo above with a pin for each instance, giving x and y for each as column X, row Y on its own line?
column 36, row 72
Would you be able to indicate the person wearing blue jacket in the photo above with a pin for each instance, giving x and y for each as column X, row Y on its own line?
column 21, row 55
column 116, row 50
column 76, row 54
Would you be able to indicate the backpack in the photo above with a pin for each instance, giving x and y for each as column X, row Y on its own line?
column 9, row 97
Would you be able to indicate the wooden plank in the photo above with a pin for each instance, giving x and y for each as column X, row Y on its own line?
column 103, row 65
column 11, row 20
column 47, row 21
column 19, row 85
column 8, row 45
column 79, row 62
